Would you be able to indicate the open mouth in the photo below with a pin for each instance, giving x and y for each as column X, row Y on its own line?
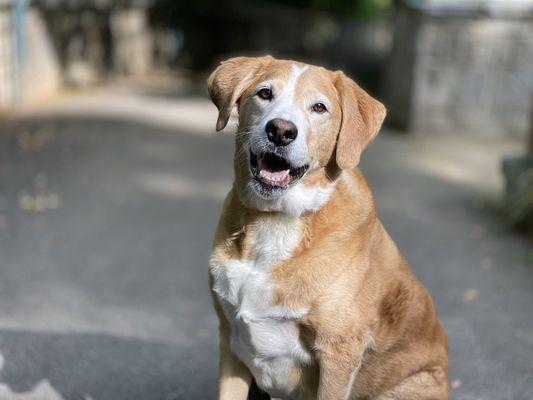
column 273, row 172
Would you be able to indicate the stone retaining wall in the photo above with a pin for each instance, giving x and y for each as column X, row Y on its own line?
column 456, row 72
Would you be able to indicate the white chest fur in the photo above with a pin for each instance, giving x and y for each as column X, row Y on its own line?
column 263, row 336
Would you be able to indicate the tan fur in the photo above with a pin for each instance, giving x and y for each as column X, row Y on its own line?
column 371, row 325
column 362, row 118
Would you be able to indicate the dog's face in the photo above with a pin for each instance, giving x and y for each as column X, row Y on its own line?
column 296, row 123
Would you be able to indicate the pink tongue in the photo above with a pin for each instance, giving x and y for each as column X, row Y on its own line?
column 275, row 177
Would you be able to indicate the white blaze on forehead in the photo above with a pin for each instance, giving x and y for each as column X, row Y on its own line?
column 297, row 72
column 285, row 107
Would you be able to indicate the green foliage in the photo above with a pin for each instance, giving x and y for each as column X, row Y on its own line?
column 519, row 193
column 528, row 258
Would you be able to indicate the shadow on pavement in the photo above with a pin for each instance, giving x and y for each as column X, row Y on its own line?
column 103, row 367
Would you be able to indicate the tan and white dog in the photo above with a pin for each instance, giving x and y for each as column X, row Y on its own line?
column 314, row 299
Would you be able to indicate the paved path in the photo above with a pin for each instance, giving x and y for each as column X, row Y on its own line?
column 108, row 204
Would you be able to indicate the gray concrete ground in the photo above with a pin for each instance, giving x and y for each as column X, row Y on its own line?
column 108, row 203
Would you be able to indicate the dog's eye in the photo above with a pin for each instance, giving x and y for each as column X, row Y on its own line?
column 319, row 108
column 265, row 94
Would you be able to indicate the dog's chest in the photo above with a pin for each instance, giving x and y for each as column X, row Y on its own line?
column 264, row 336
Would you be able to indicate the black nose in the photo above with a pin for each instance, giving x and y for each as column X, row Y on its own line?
column 281, row 132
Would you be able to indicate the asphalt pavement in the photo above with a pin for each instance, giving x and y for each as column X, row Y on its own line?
column 108, row 205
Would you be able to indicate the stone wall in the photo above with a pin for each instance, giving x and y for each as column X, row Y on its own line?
column 132, row 41
column 94, row 41
column 40, row 73
column 45, row 46
column 459, row 72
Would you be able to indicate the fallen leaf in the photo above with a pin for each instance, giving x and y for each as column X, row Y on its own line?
column 477, row 232
column 471, row 294
column 456, row 384
column 53, row 201
column 25, row 202
column 39, row 203
column 487, row 263
column 40, row 180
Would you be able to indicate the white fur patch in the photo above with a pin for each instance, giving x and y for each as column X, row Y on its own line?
column 298, row 199
column 263, row 336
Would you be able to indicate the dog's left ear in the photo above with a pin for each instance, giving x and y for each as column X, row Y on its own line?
column 228, row 82
column 362, row 116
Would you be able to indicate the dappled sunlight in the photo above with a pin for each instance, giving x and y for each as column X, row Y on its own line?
column 43, row 390
column 194, row 115
column 73, row 309
column 160, row 151
column 453, row 172
column 470, row 162
column 474, row 163
column 43, row 365
column 179, row 186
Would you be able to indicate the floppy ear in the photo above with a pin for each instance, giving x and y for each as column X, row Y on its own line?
column 362, row 116
column 228, row 82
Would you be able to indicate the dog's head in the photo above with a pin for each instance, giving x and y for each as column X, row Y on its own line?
column 299, row 126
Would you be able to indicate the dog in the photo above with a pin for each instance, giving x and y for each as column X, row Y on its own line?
column 314, row 299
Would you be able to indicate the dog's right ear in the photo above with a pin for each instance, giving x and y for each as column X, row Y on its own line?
column 228, row 82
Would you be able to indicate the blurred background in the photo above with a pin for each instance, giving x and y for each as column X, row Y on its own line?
column 112, row 179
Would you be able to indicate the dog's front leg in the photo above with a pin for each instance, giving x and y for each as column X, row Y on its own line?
column 234, row 378
column 339, row 362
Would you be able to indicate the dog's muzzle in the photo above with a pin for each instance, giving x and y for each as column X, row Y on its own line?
column 273, row 174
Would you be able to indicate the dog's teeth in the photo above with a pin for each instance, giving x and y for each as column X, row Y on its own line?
column 274, row 176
